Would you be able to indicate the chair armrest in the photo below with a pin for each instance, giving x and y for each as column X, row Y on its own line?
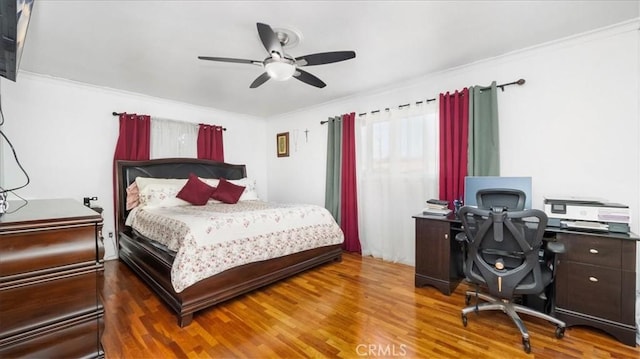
column 556, row 247
column 461, row 237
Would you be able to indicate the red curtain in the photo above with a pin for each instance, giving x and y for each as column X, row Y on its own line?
column 348, row 200
column 134, row 139
column 210, row 143
column 133, row 144
column 454, row 128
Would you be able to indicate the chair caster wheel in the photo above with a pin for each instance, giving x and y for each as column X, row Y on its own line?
column 464, row 320
column 467, row 299
column 560, row 332
column 526, row 345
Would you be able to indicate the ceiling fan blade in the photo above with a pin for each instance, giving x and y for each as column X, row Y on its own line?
column 226, row 59
column 269, row 39
column 260, row 80
column 308, row 78
column 325, row 58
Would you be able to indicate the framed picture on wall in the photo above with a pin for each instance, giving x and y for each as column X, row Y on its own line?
column 282, row 143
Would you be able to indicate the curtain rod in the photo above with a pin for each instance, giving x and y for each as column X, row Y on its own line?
column 118, row 114
column 501, row 87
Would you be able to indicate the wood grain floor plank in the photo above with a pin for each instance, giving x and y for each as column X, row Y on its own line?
column 360, row 307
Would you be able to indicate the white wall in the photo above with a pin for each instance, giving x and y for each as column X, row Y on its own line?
column 573, row 126
column 65, row 135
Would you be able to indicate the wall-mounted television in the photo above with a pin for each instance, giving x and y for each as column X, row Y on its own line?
column 472, row 184
column 14, row 22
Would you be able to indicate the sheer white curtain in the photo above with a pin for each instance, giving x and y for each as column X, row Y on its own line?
column 397, row 155
column 171, row 138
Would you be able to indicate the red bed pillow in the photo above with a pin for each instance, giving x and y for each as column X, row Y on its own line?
column 227, row 192
column 195, row 191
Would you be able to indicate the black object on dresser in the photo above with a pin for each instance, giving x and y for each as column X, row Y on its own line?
column 595, row 279
column 51, row 264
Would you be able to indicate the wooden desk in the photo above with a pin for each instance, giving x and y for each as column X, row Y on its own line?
column 438, row 255
column 50, row 272
column 595, row 279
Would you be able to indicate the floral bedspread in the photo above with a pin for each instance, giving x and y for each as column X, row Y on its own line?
column 212, row 238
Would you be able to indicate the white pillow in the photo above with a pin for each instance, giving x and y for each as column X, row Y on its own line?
column 161, row 195
column 142, row 182
column 250, row 193
column 213, row 182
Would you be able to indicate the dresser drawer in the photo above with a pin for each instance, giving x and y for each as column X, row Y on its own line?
column 592, row 290
column 31, row 251
column 46, row 301
column 79, row 338
column 594, row 250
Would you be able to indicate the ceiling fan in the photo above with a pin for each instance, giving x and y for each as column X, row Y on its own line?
column 281, row 66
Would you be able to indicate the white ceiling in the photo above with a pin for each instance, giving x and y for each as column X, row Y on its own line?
column 151, row 47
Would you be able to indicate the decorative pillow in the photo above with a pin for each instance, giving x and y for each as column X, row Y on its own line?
column 195, row 191
column 133, row 196
column 250, row 193
column 213, row 182
column 227, row 192
column 161, row 195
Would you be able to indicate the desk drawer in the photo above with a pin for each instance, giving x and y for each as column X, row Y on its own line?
column 592, row 250
column 593, row 290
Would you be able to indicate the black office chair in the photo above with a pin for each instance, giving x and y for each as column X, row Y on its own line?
column 502, row 256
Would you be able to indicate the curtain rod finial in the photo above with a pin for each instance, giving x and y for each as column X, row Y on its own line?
column 520, row 82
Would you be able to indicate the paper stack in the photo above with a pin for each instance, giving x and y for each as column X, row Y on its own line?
column 437, row 207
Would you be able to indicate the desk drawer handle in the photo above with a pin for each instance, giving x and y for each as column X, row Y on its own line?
column 446, row 236
column 593, row 251
column 593, row 279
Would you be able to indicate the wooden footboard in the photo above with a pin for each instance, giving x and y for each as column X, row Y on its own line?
column 154, row 267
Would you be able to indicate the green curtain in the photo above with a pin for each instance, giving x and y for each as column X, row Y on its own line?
column 484, row 144
column 334, row 167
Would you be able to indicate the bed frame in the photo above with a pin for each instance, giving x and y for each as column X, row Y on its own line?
column 153, row 265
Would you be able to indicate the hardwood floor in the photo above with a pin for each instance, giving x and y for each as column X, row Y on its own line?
column 361, row 307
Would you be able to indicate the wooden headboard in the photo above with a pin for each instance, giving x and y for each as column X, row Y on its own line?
column 127, row 171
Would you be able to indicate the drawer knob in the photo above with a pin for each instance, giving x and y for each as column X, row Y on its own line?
column 593, row 251
column 446, row 236
column 593, row 279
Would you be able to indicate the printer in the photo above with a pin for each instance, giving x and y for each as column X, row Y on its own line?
column 587, row 214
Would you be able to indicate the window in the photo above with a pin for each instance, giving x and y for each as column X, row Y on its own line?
column 397, row 158
column 399, row 139
column 171, row 138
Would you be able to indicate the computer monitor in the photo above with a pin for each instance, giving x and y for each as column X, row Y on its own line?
column 472, row 184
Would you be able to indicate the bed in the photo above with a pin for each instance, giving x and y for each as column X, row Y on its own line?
column 153, row 263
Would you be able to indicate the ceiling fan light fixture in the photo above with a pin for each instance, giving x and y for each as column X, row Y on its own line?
column 280, row 71
column 281, row 66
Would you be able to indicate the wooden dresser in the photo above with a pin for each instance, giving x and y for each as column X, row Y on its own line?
column 51, row 267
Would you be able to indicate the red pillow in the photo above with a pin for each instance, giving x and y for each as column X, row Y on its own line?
column 227, row 192
column 195, row 191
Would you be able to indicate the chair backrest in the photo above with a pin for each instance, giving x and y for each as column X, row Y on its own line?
column 511, row 239
column 507, row 198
